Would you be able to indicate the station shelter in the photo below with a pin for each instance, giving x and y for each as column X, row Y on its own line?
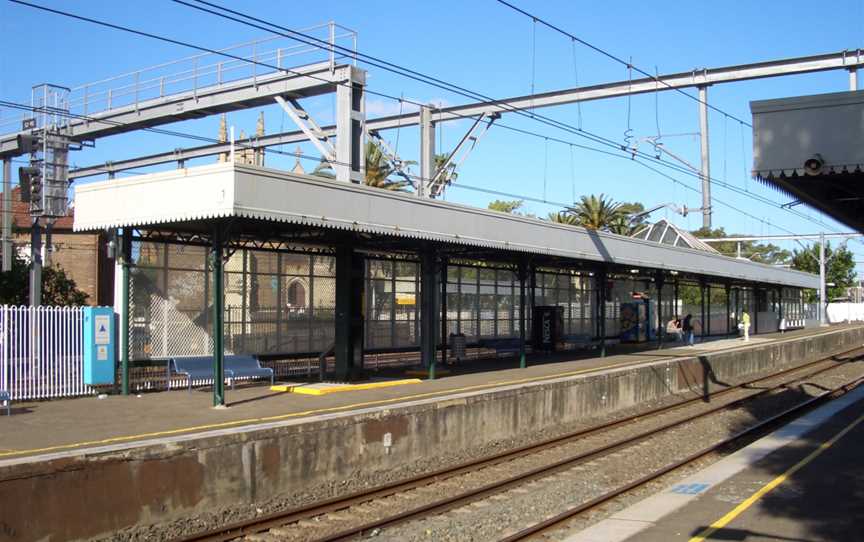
column 237, row 258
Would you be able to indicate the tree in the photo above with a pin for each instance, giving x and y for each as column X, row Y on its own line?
column 597, row 213
column 378, row 170
column 766, row 253
column 839, row 267
column 564, row 217
column 506, row 206
column 57, row 288
column 449, row 175
column 628, row 223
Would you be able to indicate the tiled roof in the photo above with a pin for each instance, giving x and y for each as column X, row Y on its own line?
column 21, row 213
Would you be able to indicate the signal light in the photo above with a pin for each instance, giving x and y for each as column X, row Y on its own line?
column 30, row 181
column 28, row 143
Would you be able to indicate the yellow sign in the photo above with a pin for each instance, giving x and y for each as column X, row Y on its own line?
column 405, row 299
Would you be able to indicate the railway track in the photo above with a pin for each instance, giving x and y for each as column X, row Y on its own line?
column 420, row 496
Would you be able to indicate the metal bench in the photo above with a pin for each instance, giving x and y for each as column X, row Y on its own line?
column 507, row 345
column 581, row 341
column 201, row 368
column 6, row 399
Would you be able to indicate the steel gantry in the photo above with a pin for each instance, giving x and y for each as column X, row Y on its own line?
column 428, row 117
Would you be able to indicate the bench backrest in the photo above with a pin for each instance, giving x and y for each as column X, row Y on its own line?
column 242, row 363
column 193, row 364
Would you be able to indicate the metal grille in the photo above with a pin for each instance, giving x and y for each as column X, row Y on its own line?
column 392, row 304
column 274, row 302
column 482, row 302
column 575, row 293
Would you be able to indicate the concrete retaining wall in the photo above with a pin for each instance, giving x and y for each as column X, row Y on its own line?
column 82, row 496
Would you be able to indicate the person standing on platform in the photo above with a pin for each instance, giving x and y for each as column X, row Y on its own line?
column 745, row 325
column 687, row 328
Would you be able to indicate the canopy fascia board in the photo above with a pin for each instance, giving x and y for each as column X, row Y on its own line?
column 208, row 192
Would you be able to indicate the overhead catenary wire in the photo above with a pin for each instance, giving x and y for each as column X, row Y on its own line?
column 505, row 107
column 557, row 124
column 607, row 54
column 418, row 178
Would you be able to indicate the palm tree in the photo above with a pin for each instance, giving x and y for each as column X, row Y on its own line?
column 597, row 213
column 563, row 217
column 378, row 170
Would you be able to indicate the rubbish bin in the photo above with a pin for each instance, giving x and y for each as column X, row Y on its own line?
column 457, row 345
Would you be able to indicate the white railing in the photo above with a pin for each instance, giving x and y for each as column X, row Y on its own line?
column 41, row 353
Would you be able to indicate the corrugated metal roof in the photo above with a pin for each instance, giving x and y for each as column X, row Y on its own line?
column 225, row 190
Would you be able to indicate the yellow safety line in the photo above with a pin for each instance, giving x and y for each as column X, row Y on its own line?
column 114, row 440
column 725, row 520
column 310, row 390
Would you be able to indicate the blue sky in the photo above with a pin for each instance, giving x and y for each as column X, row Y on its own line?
column 492, row 50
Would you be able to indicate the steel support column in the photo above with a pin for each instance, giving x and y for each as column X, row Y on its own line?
column 707, row 323
column 523, row 275
column 7, row 215
column 125, row 262
column 853, row 79
column 444, row 310
column 216, row 264
column 823, row 321
column 429, row 309
column 36, row 264
column 427, row 152
column 728, row 309
column 601, row 309
column 659, row 279
column 350, row 126
column 705, row 156
column 349, row 313
column 702, row 312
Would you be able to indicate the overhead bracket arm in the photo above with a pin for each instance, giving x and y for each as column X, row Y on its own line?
column 309, row 127
column 400, row 167
column 460, row 153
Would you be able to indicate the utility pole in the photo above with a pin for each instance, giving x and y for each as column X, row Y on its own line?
column 706, row 157
column 7, row 214
column 36, row 264
column 823, row 321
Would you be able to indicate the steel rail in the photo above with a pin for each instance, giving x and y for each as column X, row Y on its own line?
column 445, row 504
column 556, row 521
column 247, row 527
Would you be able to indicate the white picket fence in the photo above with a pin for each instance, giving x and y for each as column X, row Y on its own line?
column 41, row 353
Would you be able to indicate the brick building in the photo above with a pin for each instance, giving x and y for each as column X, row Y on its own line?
column 82, row 255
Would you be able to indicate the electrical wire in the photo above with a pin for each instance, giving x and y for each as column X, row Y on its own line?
column 418, row 178
column 613, row 57
column 326, row 45
column 505, row 107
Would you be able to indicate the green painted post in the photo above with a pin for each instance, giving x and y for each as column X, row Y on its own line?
column 218, row 321
column 601, row 309
column 125, row 257
column 523, row 272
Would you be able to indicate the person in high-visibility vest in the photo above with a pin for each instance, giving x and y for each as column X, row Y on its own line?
column 745, row 323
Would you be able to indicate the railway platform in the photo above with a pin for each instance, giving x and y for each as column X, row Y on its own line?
column 75, row 425
column 802, row 482
column 99, row 465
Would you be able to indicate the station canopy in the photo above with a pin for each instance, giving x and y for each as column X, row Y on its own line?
column 811, row 148
column 261, row 202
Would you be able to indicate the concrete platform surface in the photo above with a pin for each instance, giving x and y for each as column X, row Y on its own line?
column 804, row 482
column 77, row 424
